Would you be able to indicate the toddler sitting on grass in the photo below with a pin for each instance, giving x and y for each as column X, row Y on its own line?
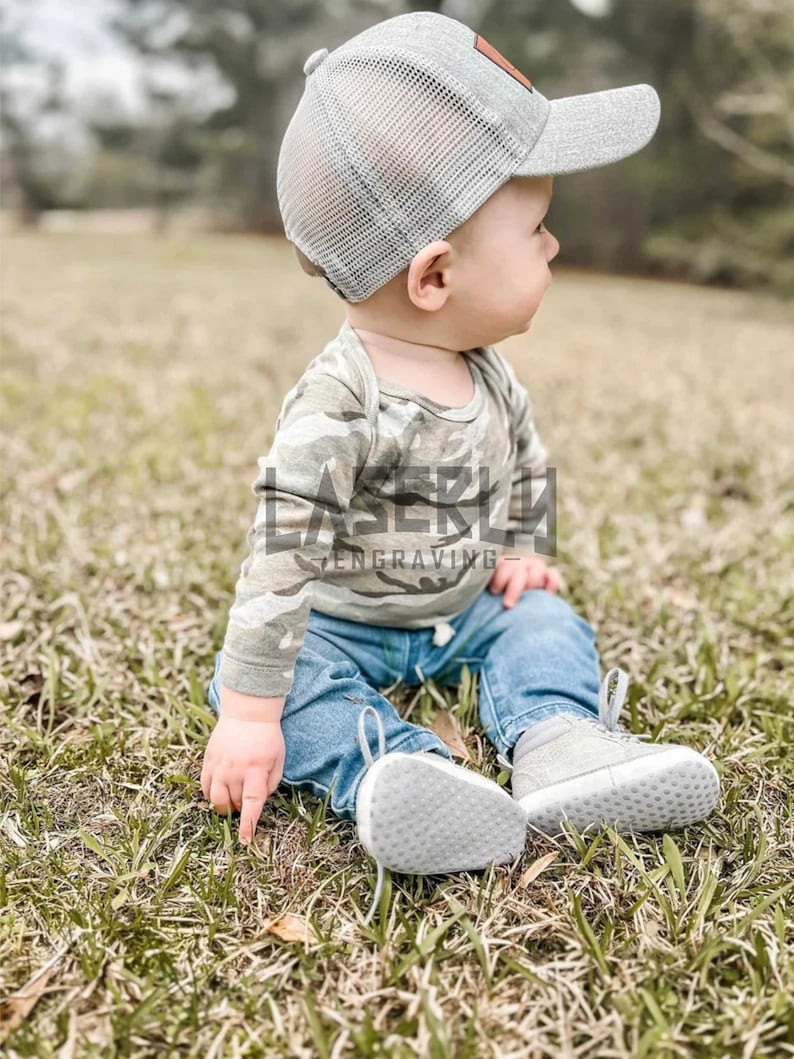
column 399, row 505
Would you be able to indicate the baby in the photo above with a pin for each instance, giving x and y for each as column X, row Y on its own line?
column 401, row 502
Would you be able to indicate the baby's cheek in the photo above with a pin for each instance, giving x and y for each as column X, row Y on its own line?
column 536, row 283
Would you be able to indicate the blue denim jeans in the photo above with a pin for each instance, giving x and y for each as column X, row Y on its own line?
column 534, row 660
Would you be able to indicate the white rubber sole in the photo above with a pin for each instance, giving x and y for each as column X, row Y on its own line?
column 422, row 815
column 659, row 792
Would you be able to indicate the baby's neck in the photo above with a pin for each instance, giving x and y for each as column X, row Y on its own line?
column 389, row 348
column 435, row 371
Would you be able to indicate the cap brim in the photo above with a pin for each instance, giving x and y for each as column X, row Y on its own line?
column 584, row 132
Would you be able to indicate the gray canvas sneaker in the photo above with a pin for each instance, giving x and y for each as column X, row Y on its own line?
column 421, row 814
column 591, row 774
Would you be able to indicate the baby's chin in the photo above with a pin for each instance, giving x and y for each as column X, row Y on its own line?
column 504, row 334
column 522, row 326
column 525, row 326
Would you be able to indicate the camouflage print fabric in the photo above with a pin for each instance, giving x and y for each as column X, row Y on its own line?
column 378, row 505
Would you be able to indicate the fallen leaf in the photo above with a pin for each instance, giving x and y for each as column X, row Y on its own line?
column 447, row 728
column 288, row 928
column 19, row 1005
column 538, row 866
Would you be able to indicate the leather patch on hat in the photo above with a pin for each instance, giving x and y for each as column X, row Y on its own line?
column 482, row 45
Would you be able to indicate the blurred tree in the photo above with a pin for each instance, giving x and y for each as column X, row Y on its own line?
column 155, row 162
column 736, row 101
column 258, row 48
column 30, row 92
column 710, row 197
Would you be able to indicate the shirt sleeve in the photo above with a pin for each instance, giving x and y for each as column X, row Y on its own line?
column 305, row 485
column 531, row 515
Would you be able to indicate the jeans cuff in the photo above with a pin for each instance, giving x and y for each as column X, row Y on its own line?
column 516, row 726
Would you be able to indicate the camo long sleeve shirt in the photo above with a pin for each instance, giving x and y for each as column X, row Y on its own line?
column 379, row 505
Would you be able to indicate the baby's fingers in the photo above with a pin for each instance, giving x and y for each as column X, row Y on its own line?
column 236, row 794
column 274, row 778
column 501, row 576
column 255, row 792
column 536, row 573
column 553, row 580
column 515, row 587
column 219, row 797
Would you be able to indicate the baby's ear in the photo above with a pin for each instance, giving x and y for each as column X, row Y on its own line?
column 429, row 276
column 308, row 266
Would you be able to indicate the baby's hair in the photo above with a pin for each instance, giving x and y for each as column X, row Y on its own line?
column 308, row 266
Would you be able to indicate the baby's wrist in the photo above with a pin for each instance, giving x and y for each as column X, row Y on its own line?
column 241, row 707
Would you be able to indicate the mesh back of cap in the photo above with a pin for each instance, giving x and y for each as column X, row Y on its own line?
column 382, row 157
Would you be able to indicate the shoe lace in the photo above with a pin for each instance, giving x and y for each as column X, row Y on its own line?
column 369, row 760
column 610, row 703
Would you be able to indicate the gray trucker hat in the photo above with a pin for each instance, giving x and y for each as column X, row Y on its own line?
column 408, row 128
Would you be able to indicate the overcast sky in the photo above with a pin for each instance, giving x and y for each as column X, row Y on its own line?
column 75, row 31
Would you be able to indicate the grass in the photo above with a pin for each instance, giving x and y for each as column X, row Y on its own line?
column 141, row 380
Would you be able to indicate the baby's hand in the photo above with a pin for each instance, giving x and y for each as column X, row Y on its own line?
column 242, row 767
column 515, row 573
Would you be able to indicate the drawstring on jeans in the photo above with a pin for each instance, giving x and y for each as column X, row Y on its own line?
column 369, row 760
column 442, row 633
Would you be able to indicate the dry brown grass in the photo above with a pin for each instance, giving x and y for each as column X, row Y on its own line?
column 141, row 380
